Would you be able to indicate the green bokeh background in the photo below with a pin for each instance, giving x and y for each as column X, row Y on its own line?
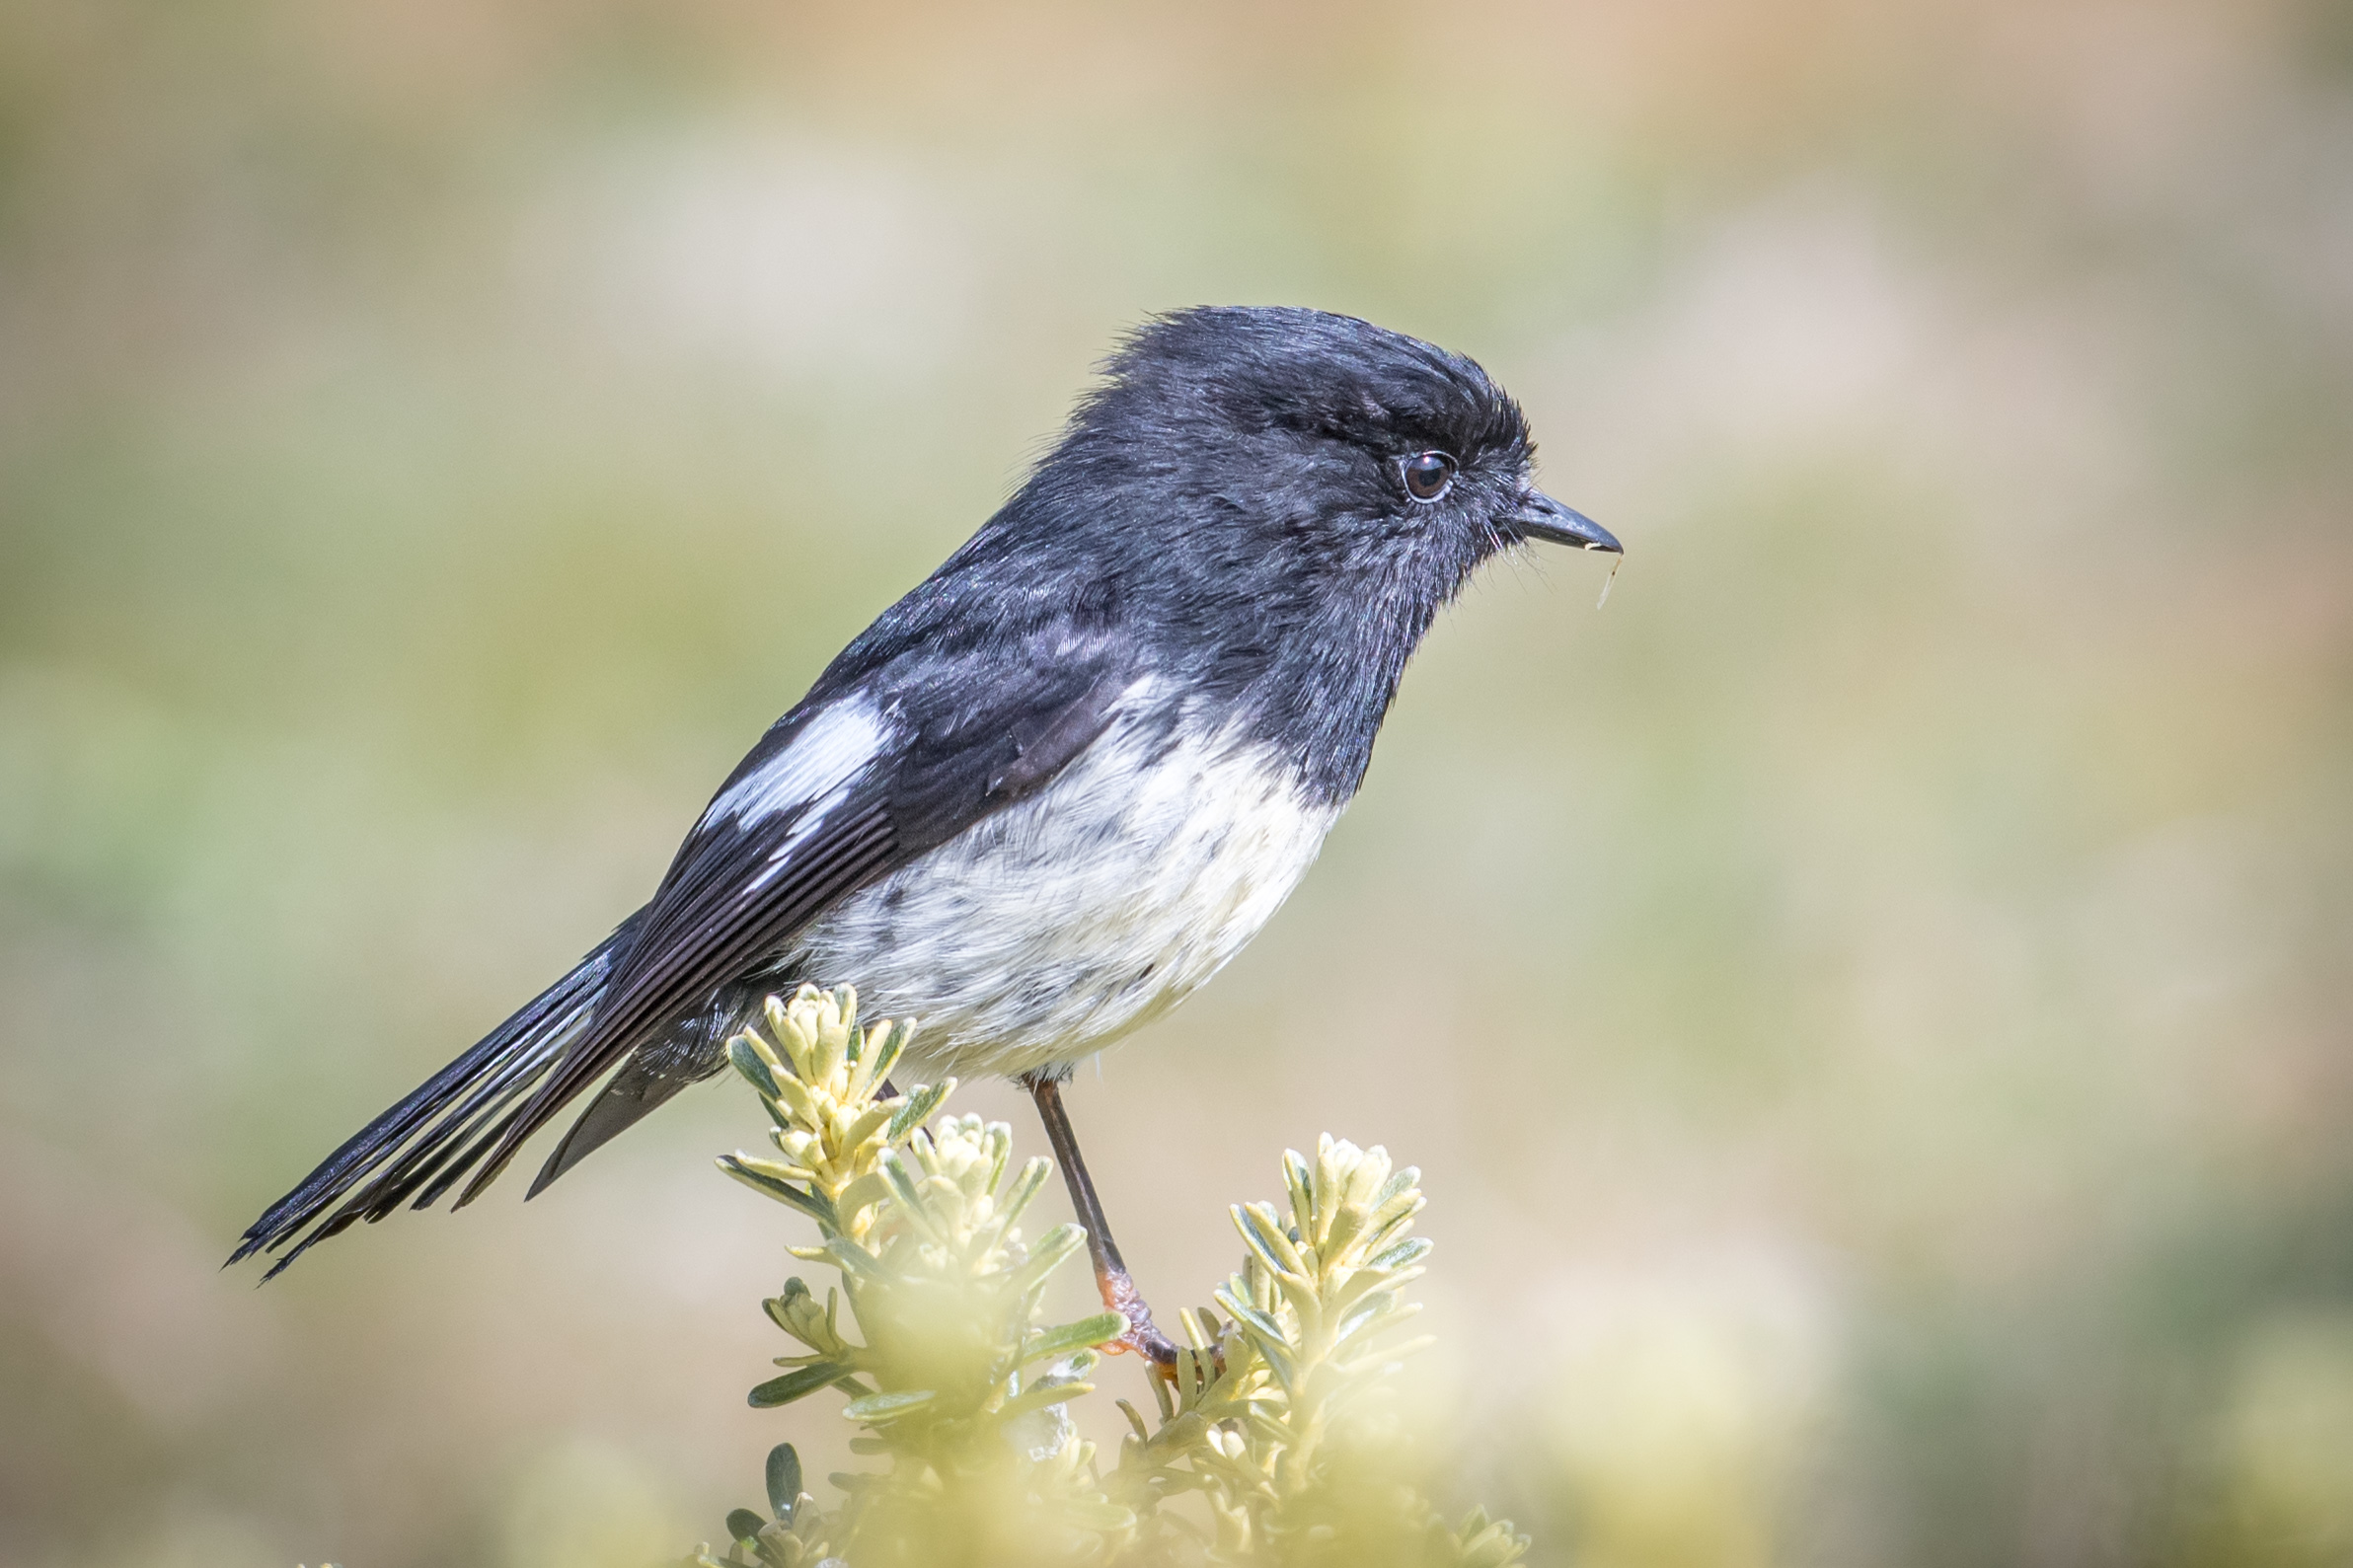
column 1872, row 1001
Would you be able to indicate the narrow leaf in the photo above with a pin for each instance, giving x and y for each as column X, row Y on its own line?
column 1050, row 1250
column 919, row 1108
column 784, row 1481
column 871, row 1121
column 1086, row 1333
column 1038, row 1398
column 746, row 1059
column 853, row 1257
column 1257, row 1323
column 1025, row 1187
column 874, row 1409
column 1410, row 1250
column 812, row 1204
column 1258, row 1226
column 797, row 1384
column 858, row 1197
column 902, row 1184
column 894, row 1043
column 1370, row 1307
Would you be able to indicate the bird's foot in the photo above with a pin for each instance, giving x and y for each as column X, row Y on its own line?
column 1143, row 1336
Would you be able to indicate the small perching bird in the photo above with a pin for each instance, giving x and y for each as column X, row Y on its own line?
column 1056, row 786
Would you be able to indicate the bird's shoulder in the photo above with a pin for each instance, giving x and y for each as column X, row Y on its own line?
column 925, row 725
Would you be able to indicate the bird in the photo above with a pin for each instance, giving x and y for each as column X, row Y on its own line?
column 1058, row 785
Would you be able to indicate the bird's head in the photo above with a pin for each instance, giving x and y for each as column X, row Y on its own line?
column 1276, row 448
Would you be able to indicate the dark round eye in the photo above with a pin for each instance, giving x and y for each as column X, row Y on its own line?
column 1427, row 473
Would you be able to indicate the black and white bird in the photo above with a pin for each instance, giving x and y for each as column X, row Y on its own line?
column 1061, row 783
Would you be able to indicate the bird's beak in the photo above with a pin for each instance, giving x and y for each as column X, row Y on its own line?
column 1539, row 516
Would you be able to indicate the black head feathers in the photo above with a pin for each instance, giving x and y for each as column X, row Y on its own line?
column 1280, row 367
column 1262, row 507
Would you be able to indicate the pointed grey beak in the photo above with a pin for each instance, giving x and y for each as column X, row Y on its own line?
column 1541, row 517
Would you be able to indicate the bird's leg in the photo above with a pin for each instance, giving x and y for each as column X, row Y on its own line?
column 1120, row 1292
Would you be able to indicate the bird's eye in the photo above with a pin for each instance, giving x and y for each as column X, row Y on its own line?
column 1427, row 473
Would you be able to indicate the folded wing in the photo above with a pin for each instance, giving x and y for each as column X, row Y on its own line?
column 837, row 796
column 859, row 778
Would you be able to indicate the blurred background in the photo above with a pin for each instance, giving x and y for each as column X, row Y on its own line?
column 1873, row 1003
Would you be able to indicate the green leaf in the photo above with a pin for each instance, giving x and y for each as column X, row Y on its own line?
column 887, row 1056
column 792, row 1313
column 869, row 1121
column 1264, row 1333
column 1299, row 1183
column 1000, row 1150
column 1410, row 1250
column 902, row 1187
column 1182, row 1432
column 1301, row 1293
column 1371, row 1308
column 1025, row 1187
column 798, row 1384
column 874, row 1409
column 924, row 1100
column 1393, row 1218
column 1259, row 1326
column 1086, row 1333
column 1259, row 1234
column 1347, row 1224
column 854, row 1257
column 746, row 1058
column 812, row 1204
column 859, row 1196
column 746, row 1526
column 799, row 1105
column 1051, row 1393
column 1049, row 1250
column 784, row 1481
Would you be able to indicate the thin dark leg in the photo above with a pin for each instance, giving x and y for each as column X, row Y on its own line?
column 1118, row 1289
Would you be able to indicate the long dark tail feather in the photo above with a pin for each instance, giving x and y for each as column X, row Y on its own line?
column 648, row 1003
column 430, row 1139
column 697, row 1048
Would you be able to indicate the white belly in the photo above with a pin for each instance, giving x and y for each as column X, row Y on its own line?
column 1055, row 927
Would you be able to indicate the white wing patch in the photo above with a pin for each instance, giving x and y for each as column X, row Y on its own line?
column 809, row 776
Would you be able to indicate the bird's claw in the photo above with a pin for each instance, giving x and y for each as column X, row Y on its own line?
column 1143, row 1336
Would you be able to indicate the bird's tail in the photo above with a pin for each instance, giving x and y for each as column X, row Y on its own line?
column 421, row 1147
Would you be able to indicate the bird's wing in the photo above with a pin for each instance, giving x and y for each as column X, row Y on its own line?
column 848, row 787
